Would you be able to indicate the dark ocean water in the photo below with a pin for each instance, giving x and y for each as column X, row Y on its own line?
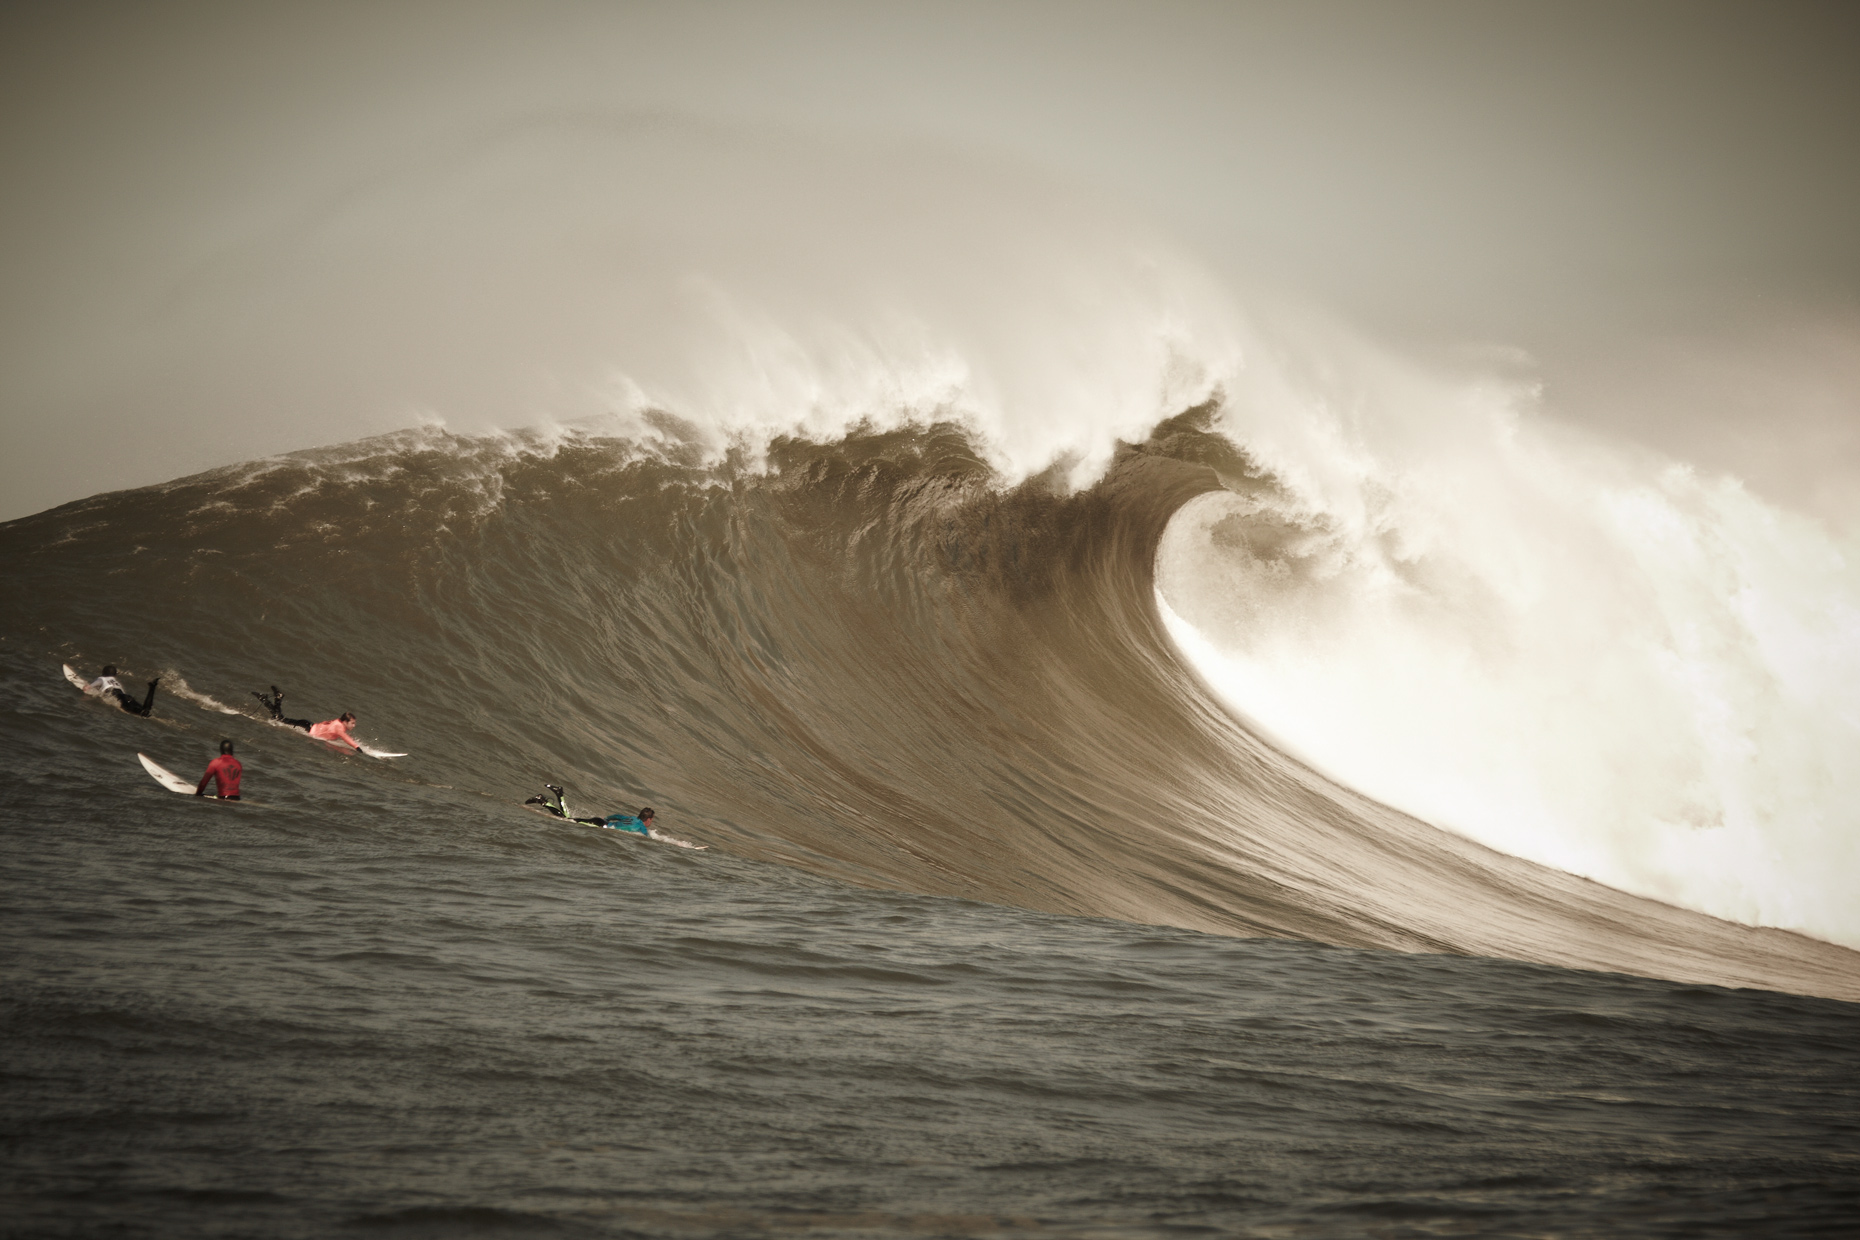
column 1003, row 928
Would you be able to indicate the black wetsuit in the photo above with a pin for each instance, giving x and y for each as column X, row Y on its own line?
column 275, row 705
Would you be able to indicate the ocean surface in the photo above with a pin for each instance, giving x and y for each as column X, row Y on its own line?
column 1004, row 923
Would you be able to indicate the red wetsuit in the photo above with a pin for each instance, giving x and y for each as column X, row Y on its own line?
column 225, row 771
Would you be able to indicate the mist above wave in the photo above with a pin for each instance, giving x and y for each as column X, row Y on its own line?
column 568, row 268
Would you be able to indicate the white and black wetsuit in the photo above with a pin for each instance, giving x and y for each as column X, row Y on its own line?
column 552, row 802
column 110, row 688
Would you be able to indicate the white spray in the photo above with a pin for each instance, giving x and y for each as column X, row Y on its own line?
column 1570, row 650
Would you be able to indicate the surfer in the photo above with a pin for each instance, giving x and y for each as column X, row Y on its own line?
column 109, row 687
column 553, row 803
column 336, row 729
column 224, row 771
column 639, row 824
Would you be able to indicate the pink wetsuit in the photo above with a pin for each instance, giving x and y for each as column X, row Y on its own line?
column 334, row 730
column 224, row 771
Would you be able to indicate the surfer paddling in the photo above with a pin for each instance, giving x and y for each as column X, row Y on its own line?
column 552, row 803
column 333, row 730
column 638, row 824
column 108, row 687
column 223, row 772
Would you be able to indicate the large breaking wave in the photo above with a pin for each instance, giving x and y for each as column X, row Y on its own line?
column 1571, row 649
column 887, row 653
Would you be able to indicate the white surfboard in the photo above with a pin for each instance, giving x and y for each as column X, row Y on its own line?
column 165, row 777
column 82, row 684
column 368, row 751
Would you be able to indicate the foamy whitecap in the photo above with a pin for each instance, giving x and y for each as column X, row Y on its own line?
column 1564, row 648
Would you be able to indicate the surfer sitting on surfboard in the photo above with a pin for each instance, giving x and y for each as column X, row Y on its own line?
column 336, row 729
column 224, row 771
column 109, row 687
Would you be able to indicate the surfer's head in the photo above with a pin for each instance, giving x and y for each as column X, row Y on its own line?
column 225, row 746
column 109, row 669
column 645, row 815
column 345, row 717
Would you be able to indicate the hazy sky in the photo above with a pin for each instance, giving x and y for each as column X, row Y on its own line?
column 238, row 229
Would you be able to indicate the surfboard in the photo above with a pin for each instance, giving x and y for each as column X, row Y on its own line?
column 368, row 751
column 165, row 777
column 82, row 684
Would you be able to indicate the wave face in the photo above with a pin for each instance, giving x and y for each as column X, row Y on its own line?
column 869, row 658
